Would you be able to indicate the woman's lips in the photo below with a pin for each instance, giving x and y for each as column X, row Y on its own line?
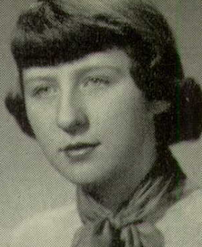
column 79, row 150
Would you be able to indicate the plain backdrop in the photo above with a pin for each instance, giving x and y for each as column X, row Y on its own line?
column 27, row 183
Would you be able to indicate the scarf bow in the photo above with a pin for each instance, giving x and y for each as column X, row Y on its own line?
column 127, row 228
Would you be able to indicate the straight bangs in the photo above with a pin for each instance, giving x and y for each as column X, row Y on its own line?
column 47, row 36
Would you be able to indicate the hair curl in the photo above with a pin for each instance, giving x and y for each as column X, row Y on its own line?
column 57, row 31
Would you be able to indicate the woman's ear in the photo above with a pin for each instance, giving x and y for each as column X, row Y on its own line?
column 158, row 106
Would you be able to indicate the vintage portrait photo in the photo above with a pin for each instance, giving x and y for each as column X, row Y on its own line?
column 101, row 121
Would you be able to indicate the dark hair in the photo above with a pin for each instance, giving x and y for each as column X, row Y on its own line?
column 57, row 31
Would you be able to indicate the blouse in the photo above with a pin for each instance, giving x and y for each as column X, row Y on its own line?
column 181, row 225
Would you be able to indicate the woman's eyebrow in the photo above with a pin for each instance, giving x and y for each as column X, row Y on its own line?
column 99, row 68
column 45, row 78
column 80, row 70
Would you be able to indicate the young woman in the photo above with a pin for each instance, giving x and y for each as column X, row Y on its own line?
column 102, row 90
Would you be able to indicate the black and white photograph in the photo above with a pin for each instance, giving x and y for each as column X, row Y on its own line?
column 101, row 121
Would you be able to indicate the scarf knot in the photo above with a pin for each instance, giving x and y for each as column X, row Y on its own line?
column 130, row 227
column 115, row 222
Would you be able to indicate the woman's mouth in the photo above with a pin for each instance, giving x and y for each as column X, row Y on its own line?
column 79, row 150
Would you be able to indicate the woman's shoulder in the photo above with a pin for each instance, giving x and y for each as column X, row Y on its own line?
column 50, row 228
column 182, row 224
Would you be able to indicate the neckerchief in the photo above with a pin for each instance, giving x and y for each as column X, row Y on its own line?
column 133, row 225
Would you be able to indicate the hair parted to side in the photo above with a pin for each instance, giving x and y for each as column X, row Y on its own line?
column 51, row 32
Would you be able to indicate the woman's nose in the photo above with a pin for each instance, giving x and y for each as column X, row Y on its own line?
column 71, row 115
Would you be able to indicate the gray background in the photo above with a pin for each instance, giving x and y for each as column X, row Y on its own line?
column 27, row 183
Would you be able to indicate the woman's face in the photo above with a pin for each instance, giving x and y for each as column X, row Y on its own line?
column 88, row 116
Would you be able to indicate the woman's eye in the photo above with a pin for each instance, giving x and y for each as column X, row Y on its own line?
column 96, row 81
column 44, row 91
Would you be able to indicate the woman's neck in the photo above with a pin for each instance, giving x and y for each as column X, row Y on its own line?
column 112, row 193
